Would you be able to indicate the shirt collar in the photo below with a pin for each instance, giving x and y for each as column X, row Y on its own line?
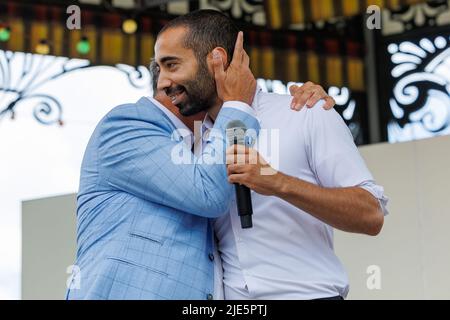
column 255, row 103
column 173, row 118
column 207, row 122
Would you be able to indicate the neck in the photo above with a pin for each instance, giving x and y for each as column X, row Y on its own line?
column 213, row 112
column 190, row 121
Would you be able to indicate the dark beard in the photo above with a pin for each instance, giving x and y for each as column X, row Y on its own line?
column 201, row 92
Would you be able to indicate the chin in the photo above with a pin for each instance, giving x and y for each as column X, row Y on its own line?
column 188, row 112
column 189, row 109
column 185, row 111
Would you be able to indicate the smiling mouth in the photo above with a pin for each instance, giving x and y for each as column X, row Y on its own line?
column 177, row 97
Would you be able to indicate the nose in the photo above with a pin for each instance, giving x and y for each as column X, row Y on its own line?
column 163, row 81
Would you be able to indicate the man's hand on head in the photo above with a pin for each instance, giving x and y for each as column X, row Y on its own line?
column 235, row 83
column 308, row 95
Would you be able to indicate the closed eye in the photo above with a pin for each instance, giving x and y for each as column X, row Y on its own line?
column 169, row 62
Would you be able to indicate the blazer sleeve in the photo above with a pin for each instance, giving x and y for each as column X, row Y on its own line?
column 136, row 156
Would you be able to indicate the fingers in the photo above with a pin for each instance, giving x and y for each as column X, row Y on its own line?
column 301, row 94
column 239, row 46
column 309, row 94
column 241, row 159
column 313, row 99
column 238, row 54
column 300, row 99
column 245, row 59
column 238, row 82
column 308, row 86
column 237, row 178
column 239, row 154
column 329, row 103
column 293, row 89
column 237, row 149
column 219, row 72
column 237, row 169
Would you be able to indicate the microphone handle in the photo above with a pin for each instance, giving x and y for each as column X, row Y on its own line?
column 244, row 205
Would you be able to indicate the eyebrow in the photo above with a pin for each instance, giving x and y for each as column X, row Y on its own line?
column 168, row 58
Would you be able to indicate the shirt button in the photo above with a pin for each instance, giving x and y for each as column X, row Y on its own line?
column 211, row 257
column 209, row 296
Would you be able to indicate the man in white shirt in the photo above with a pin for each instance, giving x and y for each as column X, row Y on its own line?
column 316, row 181
column 322, row 181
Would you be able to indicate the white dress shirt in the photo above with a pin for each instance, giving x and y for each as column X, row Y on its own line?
column 289, row 254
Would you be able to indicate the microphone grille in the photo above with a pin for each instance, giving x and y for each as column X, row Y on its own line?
column 236, row 132
column 236, row 124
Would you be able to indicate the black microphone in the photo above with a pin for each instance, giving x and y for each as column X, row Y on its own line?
column 236, row 135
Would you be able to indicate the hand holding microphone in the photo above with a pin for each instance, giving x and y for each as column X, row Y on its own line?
column 247, row 169
column 236, row 135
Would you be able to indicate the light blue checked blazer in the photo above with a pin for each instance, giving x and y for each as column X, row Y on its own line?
column 143, row 228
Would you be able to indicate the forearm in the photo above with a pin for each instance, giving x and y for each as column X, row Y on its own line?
column 348, row 209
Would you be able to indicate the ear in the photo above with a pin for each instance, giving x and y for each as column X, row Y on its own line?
column 223, row 56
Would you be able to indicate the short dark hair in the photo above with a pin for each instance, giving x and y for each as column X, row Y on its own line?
column 154, row 73
column 206, row 30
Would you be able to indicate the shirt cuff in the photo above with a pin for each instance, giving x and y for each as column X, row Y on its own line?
column 241, row 106
column 378, row 192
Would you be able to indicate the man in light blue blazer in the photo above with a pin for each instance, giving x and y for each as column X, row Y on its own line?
column 143, row 231
column 143, row 227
